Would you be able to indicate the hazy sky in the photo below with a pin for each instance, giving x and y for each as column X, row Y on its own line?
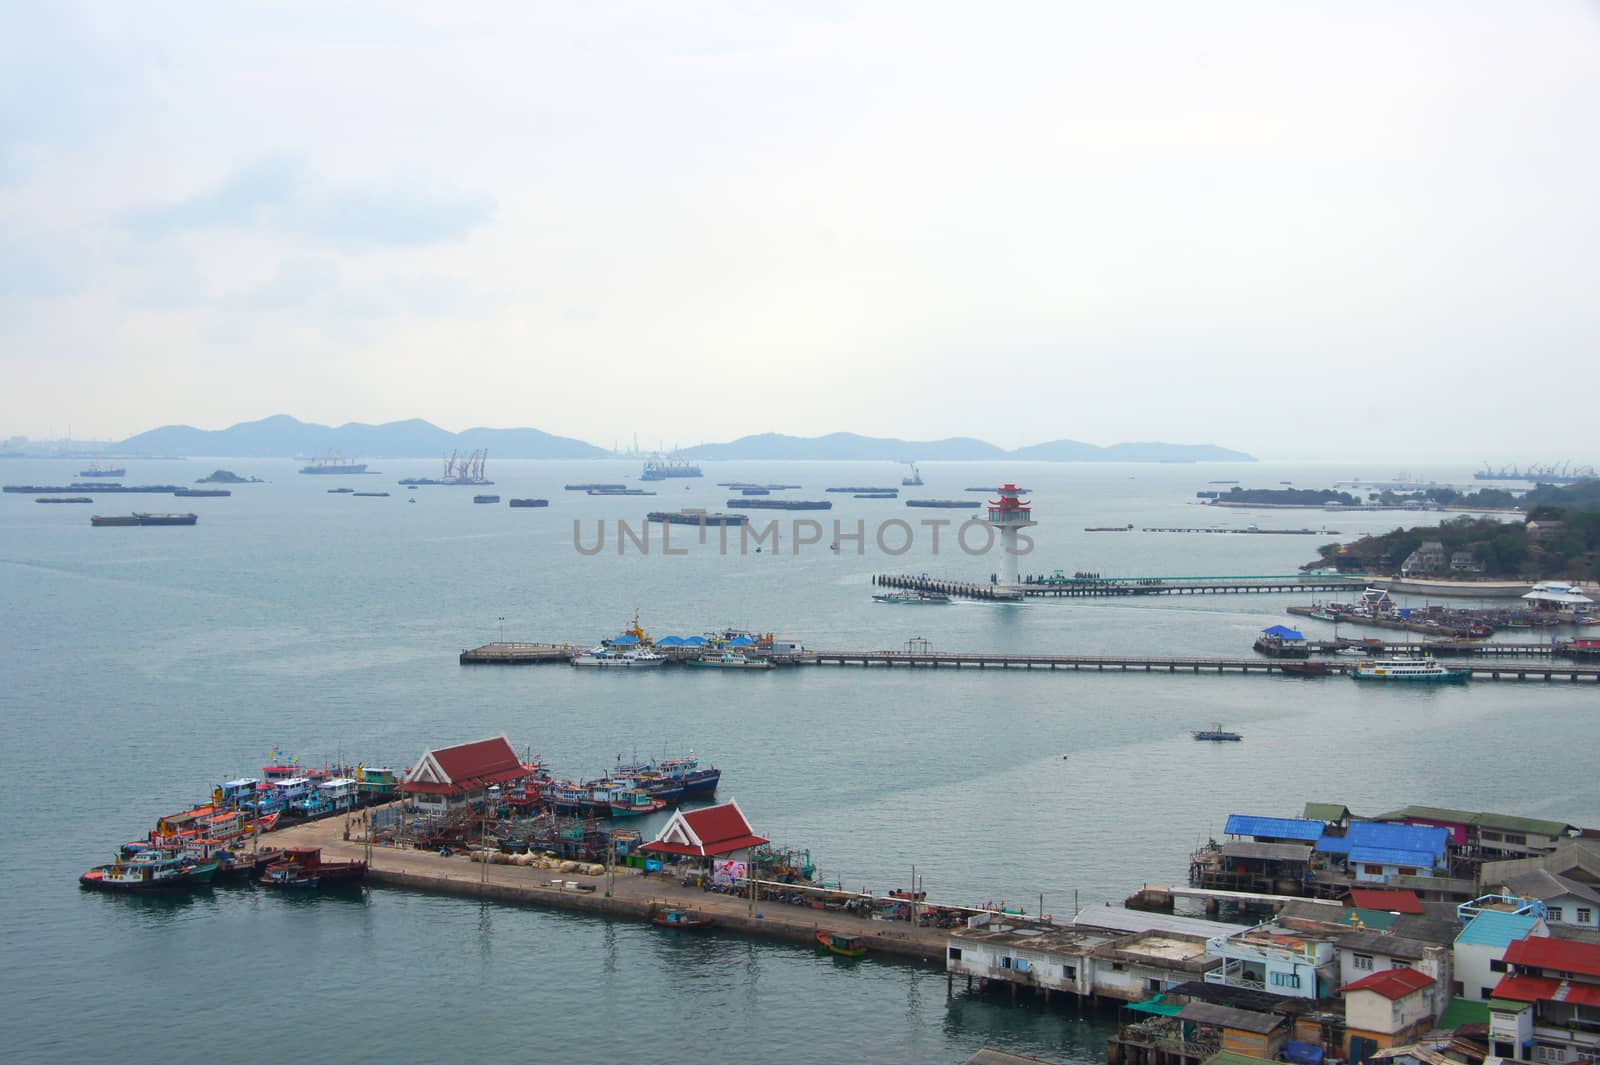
column 1341, row 228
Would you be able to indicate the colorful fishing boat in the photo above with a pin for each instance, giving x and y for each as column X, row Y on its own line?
column 687, row 772
column 634, row 802
column 680, row 919
column 842, row 945
column 297, row 866
column 150, row 872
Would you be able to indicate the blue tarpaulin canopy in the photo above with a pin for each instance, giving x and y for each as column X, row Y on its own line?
column 1302, row 1053
column 696, row 640
column 670, row 641
column 627, row 639
column 1283, row 633
column 741, row 641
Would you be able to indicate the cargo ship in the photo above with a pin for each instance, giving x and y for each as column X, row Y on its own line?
column 782, row 504
column 201, row 493
column 660, row 469
column 486, row 499
column 469, row 470
column 857, row 490
column 594, row 487
column 143, row 519
column 695, row 517
column 63, row 499
column 530, row 502
column 95, row 470
column 331, row 464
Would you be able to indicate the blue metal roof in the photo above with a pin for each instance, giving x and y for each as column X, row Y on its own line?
column 696, row 640
column 1494, row 929
column 1283, row 633
column 670, row 641
column 626, row 639
column 1430, row 839
column 1273, row 827
column 1391, row 856
column 1334, row 844
column 741, row 641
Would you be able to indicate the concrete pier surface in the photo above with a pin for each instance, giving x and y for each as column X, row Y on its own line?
column 634, row 894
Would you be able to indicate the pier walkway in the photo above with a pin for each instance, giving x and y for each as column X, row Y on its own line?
column 1105, row 587
column 1143, row 664
column 633, row 895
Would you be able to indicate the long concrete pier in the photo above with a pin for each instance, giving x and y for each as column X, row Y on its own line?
column 1107, row 587
column 626, row 894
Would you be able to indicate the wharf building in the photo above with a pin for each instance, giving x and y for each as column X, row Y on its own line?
column 447, row 781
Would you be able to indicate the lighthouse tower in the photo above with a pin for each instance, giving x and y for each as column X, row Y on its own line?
column 1009, row 515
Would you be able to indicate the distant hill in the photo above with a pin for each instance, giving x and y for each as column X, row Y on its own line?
column 959, row 448
column 844, row 446
column 281, row 436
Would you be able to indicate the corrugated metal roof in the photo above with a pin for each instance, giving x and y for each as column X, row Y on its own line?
column 1544, row 885
column 1392, row 984
column 1383, row 943
column 1122, row 919
column 1462, row 1011
column 1228, row 1017
column 1561, row 955
column 1389, row 856
column 1275, row 852
column 1428, row 838
column 1273, row 827
column 1386, row 899
column 1228, row 1057
column 1494, row 929
column 1510, row 823
column 1334, row 844
column 1326, row 811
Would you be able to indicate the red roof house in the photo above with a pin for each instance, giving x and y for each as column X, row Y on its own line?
column 1391, row 900
column 1554, row 957
column 713, row 832
column 453, row 775
column 1392, row 984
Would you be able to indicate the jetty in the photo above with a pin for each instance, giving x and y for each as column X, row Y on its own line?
column 623, row 893
column 1105, row 587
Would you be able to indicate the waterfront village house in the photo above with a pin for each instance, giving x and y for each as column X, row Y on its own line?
column 1284, row 961
column 1333, row 814
column 1547, row 1007
column 1387, row 1009
column 1487, row 836
column 1182, row 1030
column 1363, row 953
column 1480, row 949
column 1429, row 558
column 1374, row 852
column 449, row 779
column 1567, row 902
column 1127, row 967
column 701, row 836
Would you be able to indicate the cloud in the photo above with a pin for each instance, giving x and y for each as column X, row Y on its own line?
column 280, row 196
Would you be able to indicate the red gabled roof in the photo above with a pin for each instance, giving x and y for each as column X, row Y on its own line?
column 1526, row 988
column 1393, row 984
column 483, row 758
column 1560, row 955
column 1391, row 900
column 720, row 830
column 468, row 766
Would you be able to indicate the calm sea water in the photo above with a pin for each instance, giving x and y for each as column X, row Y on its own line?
column 142, row 666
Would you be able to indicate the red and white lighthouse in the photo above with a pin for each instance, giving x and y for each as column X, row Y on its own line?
column 1009, row 515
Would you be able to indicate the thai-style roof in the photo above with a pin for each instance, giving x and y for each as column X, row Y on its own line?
column 706, row 833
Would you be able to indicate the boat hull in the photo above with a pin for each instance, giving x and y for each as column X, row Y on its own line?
column 192, row 879
column 1449, row 676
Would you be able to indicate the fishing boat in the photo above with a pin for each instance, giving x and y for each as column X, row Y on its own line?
column 687, row 772
column 153, row 871
column 634, row 802
column 608, row 658
column 1420, row 670
column 680, row 919
column 1217, row 733
column 1307, row 669
column 912, row 598
column 304, row 867
column 842, row 945
column 728, row 660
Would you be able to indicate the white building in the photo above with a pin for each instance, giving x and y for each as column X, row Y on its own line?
column 1480, row 950
column 1269, row 958
column 1363, row 953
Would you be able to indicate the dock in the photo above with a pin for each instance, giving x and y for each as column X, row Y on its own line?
column 623, row 894
column 1104, row 587
column 914, row 658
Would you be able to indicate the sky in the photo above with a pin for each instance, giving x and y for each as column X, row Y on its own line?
column 1353, row 229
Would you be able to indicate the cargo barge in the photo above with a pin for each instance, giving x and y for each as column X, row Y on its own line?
column 201, row 493
column 63, row 499
column 695, row 517
column 781, row 504
column 95, row 470
column 945, row 504
column 530, row 502
column 143, row 519
column 124, row 489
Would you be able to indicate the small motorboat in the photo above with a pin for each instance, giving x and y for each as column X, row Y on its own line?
column 680, row 919
column 842, row 945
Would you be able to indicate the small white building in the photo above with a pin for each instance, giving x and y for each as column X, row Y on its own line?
column 1387, row 1009
column 1278, row 960
column 1363, row 953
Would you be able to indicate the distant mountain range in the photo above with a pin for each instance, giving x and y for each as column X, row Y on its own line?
column 281, row 436
column 955, row 448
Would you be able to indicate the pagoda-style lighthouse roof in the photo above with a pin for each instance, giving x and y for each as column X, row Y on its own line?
column 1010, row 509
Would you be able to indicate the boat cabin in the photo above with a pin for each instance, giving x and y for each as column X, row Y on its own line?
column 232, row 793
column 339, row 793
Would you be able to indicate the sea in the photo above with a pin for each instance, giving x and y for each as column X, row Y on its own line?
column 142, row 666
